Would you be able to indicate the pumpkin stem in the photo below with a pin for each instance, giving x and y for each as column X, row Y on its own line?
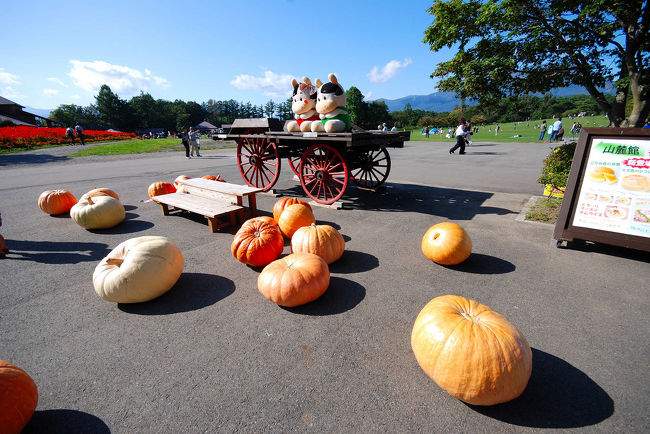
column 114, row 261
column 469, row 316
column 90, row 201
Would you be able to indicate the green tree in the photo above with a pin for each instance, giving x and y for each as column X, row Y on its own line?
column 113, row 112
column 355, row 105
column 269, row 109
column 513, row 47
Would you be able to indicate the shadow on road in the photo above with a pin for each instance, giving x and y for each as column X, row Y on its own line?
column 558, row 395
column 65, row 421
column 484, row 264
column 353, row 261
column 128, row 226
column 56, row 252
column 448, row 203
column 17, row 159
column 193, row 291
column 606, row 249
column 341, row 296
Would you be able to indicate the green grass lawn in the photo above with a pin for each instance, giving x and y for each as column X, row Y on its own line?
column 138, row 146
column 527, row 130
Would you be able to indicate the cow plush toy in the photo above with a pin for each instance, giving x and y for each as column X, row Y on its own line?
column 330, row 105
column 303, row 105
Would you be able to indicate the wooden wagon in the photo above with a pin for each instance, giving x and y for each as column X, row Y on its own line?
column 323, row 162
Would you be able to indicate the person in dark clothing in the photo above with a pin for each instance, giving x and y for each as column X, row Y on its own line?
column 185, row 140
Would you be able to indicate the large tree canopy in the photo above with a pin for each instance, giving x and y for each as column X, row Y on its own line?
column 513, row 47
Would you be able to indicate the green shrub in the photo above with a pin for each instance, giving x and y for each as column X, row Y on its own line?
column 558, row 165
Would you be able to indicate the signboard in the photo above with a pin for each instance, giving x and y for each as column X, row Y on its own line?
column 607, row 198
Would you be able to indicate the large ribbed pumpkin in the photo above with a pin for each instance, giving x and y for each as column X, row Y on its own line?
column 294, row 217
column 18, row 398
column 257, row 243
column 281, row 204
column 99, row 212
column 160, row 188
column 447, row 244
column 139, row 269
column 294, row 280
column 321, row 240
column 472, row 352
column 55, row 202
column 102, row 191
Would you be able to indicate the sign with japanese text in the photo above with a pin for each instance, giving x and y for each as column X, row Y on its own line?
column 608, row 194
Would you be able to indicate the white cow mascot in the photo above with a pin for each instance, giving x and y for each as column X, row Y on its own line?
column 330, row 106
column 303, row 105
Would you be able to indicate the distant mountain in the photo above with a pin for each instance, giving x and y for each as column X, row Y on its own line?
column 447, row 101
column 40, row 112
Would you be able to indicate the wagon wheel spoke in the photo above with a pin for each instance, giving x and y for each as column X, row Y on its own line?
column 258, row 162
column 323, row 173
column 373, row 168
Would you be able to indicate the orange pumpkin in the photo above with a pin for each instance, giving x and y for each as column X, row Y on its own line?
column 160, row 188
column 102, row 191
column 470, row 351
column 321, row 240
column 264, row 218
column 55, row 202
column 447, row 244
column 214, row 178
column 294, row 217
column 257, row 243
column 18, row 398
column 294, row 280
column 281, row 204
column 180, row 178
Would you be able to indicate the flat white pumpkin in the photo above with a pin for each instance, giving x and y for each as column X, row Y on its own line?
column 139, row 269
column 99, row 212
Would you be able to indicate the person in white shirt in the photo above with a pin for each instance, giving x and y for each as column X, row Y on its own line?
column 556, row 127
column 461, row 132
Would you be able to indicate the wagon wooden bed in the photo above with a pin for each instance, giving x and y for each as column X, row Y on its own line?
column 323, row 162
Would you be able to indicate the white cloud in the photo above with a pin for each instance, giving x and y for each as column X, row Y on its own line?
column 122, row 80
column 387, row 72
column 271, row 84
column 50, row 92
column 57, row 81
column 8, row 78
column 368, row 96
column 10, row 93
column 75, row 96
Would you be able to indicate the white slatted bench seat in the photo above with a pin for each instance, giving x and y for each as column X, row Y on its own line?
column 210, row 208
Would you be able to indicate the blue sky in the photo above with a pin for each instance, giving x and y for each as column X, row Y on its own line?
column 61, row 52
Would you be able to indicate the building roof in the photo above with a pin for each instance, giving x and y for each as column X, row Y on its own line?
column 205, row 125
column 5, row 101
column 15, row 121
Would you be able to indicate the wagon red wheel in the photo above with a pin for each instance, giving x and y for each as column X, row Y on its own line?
column 294, row 163
column 258, row 161
column 371, row 168
column 323, row 173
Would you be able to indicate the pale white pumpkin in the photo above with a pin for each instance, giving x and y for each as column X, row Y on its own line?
column 99, row 212
column 139, row 269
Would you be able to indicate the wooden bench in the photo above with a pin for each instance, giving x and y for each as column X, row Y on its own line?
column 220, row 202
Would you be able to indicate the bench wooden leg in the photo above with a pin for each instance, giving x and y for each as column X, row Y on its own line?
column 165, row 208
column 212, row 224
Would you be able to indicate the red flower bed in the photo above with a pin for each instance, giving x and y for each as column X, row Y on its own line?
column 29, row 137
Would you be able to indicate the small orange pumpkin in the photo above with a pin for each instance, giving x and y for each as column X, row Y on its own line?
column 447, row 244
column 258, row 242
column 214, row 178
column 281, row 204
column 294, row 217
column 294, row 280
column 102, row 191
column 160, row 188
column 470, row 351
column 55, row 202
column 180, row 178
column 321, row 240
column 18, row 398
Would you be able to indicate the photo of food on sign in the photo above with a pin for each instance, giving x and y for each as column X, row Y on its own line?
column 602, row 174
column 616, row 212
column 636, row 182
column 642, row 215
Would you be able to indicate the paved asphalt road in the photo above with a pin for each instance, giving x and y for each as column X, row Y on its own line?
column 214, row 355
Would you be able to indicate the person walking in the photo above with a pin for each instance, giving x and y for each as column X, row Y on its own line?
column 542, row 130
column 185, row 141
column 193, row 144
column 496, row 129
column 556, row 129
column 69, row 132
column 461, row 132
column 80, row 133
